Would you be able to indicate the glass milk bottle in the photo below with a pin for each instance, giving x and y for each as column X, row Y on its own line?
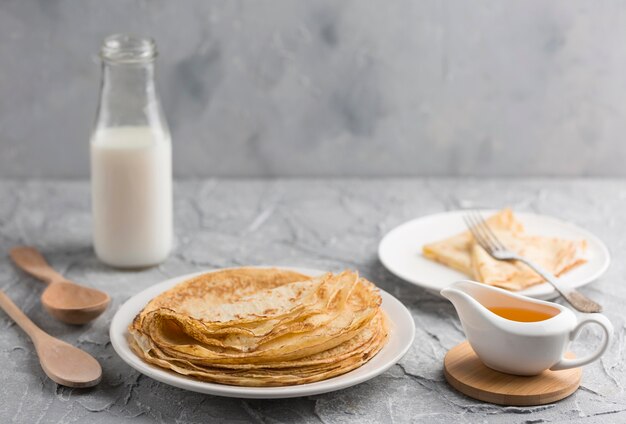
column 131, row 159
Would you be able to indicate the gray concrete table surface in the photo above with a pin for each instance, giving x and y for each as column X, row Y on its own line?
column 325, row 224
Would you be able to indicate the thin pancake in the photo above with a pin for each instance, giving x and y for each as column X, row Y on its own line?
column 200, row 294
column 350, row 347
column 275, row 376
column 269, row 328
column 461, row 252
column 170, row 333
column 455, row 251
column 329, row 300
column 552, row 254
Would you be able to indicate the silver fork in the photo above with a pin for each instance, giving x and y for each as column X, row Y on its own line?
column 488, row 240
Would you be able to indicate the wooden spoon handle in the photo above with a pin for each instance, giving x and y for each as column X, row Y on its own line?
column 31, row 261
column 18, row 316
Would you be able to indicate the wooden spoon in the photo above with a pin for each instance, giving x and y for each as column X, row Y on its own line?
column 63, row 299
column 63, row 363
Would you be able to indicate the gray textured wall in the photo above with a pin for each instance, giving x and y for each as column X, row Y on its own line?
column 303, row 87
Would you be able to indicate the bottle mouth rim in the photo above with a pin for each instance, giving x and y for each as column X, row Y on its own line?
column 128, row 48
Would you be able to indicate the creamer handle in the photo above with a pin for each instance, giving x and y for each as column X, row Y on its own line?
column 606, row 325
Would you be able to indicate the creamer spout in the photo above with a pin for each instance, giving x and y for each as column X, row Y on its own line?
column 467, row 307
column 458, row 298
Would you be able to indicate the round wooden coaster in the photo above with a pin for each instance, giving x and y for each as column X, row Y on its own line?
column 466, row 373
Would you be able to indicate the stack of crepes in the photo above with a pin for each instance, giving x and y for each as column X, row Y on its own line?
column 462, row 253
column 262, row 327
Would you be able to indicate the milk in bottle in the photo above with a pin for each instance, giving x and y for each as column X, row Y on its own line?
column 131, row 159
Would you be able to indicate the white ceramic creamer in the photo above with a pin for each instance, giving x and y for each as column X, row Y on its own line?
column 516, row 347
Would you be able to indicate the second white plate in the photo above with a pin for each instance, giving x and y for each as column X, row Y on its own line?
column 400, row 250
column 401, row 333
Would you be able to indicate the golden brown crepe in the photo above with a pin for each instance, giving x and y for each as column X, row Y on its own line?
column 454, row 251
column 262, row 327
column 343, row 358
column 461, row 252
column 552, row 254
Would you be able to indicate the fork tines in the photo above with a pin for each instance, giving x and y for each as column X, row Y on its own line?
column 479, row 228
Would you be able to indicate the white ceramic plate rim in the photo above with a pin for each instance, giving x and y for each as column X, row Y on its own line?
column 401, row 334
column 541, row 291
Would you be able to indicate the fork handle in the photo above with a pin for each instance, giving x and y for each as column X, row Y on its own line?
column 579, row 301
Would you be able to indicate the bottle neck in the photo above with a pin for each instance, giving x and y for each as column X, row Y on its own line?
column 128, row 96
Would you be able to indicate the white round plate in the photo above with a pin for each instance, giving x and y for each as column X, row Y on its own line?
column 401, row 333
column 400, row 250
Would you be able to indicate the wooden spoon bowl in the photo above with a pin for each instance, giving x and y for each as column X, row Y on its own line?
column 63, row 363
column 63, row 299
column 72, row 303
column 66, row 364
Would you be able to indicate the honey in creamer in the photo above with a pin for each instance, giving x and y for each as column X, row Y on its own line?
column 521, row 315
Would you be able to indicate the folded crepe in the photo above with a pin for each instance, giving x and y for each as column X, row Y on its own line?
column 262, row 327
column 555, row 255
column 454, row 251
column 461, row 252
